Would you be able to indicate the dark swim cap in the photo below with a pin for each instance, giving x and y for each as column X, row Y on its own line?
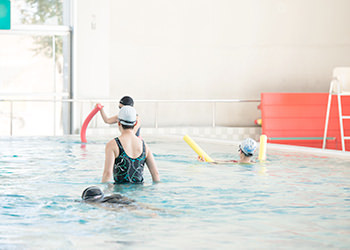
column 127, row 101
column 92, row 193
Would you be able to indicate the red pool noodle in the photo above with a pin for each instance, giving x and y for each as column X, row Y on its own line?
column 86, row 122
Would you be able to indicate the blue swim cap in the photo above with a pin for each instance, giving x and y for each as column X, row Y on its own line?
column 248, row 146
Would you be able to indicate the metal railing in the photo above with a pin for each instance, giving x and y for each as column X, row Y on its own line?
column 92, row 102
column 212, row 101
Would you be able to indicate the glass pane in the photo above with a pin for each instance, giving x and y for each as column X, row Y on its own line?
column 30, row 117
column 27, row 72
column 35, row 66
column 27, row 67
column 5, row 118
column 41, row 12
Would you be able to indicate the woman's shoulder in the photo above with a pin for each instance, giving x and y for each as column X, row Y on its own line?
column 112, row 143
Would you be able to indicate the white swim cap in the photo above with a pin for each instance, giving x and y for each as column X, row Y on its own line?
column 248, row 146
column 127, row 115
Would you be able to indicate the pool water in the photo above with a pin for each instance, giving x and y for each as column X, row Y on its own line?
column 294, row 200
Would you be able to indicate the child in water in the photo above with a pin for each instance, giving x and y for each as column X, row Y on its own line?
column 94, row 195
column 246, row 151
column 124, row 101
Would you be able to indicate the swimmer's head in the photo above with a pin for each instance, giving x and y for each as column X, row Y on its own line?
column 127, row 116
column 95, row 194
column 248, row 147
column 92, row 193
column 126, row 101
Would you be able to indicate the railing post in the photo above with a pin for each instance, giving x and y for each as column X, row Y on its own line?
column 54, row 82
column 11, row 117
column 214, row 114
column 156, row 115
column 92, row 107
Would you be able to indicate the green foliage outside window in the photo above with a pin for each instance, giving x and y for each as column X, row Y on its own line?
column 44, row 12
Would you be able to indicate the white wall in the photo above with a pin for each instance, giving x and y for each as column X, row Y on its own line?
column 212, row 49
column 91, row 49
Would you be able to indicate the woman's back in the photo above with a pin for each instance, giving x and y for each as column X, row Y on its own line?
column 132, row 145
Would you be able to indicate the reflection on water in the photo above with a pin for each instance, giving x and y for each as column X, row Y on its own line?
column 292, row 200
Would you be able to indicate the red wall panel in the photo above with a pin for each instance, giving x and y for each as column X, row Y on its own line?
column 293, row 115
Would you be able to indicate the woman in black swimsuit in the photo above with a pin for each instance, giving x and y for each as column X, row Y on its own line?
column 126, row 155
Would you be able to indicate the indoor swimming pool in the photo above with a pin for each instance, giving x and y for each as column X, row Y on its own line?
column 294, row 200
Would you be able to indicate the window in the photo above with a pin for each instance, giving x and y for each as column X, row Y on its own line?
column 35, row 66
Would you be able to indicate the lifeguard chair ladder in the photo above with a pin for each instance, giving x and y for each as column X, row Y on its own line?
column 340, row 85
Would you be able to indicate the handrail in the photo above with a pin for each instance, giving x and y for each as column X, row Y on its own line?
column 156, row 101
column 38, row 30
column 33, row 94
column 135, row 100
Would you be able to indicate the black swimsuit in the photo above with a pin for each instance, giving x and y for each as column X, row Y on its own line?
column 138, row 132
column 127, row 169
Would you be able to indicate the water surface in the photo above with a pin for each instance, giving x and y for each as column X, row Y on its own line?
column 295, row 200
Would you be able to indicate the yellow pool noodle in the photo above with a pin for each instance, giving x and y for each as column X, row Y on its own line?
column 262, row 149
column 197, row 149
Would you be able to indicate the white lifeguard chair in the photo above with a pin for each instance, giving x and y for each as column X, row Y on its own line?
column 340, row 86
